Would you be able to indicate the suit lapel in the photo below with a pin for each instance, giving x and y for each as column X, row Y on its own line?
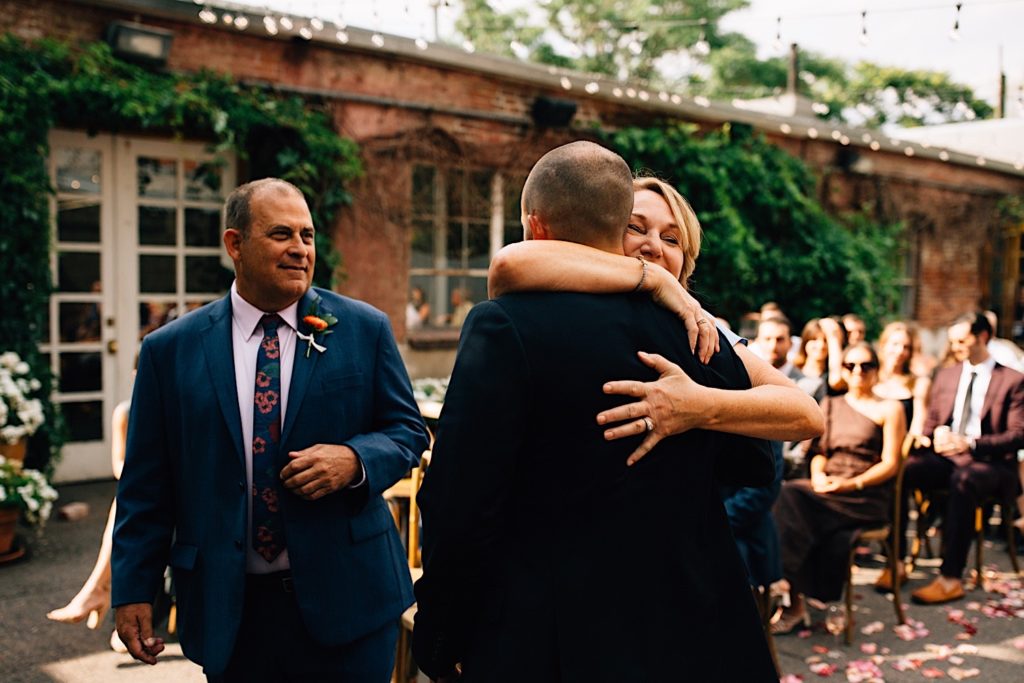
column 220, row 362
column 994, row 389
column 302, row 367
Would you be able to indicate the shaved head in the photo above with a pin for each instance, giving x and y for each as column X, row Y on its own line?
column 582, row 192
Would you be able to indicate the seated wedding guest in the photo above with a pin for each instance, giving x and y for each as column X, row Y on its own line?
column 1003, row 350
column 896, row 379
column 856, row 330
column 974, row 428
column 417, row 310
column 821, row 346
column 849, row 487
column 773, row 343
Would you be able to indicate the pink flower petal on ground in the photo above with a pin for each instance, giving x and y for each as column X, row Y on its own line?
column 791, row 678
column 955, row 615
column 820, row 649
column 956, row 661
column 823, row 669
column 933, row 673
column 966, row 649
column 906, row 664
column 974, row 605
column 803, row 633
column 872, row 628
column 869, row 648
column 1019, row 643
column 962, row 674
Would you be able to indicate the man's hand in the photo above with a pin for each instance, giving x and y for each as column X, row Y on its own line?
column 320, row 470
column 135, row 629
column 947, row 443
column 700, row 325
column 673, row 403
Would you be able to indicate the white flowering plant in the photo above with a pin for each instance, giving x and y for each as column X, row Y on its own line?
column 26, row 489
column 430, row 388
column 21, row 413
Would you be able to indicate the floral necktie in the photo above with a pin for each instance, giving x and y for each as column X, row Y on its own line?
column 268, row 538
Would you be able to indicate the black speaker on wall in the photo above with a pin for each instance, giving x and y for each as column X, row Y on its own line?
column 552, row 112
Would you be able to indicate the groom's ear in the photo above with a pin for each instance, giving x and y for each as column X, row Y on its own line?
column 538, row 229
column 232, row 243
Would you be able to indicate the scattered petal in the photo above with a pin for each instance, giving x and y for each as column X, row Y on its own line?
column 933, row 673
column 872, row 628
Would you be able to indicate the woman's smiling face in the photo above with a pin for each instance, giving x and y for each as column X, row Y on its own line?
column 653, row 233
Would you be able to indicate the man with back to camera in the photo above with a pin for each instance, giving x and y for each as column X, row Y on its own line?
column 264, row 428
column 546, row 557
column 974, row 427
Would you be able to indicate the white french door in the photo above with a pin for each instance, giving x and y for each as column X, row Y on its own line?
column 136, row 243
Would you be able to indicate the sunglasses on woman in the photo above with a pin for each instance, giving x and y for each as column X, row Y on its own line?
column 866, row 366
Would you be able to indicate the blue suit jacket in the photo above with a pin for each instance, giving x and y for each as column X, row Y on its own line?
column 182, row 496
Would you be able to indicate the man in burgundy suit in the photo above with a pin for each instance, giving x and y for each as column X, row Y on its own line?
column 975, row 426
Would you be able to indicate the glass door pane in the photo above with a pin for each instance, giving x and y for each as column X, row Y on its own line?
column 82, row 262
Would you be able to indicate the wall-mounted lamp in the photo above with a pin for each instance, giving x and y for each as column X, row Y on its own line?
column 139, row 43
column 552, row 112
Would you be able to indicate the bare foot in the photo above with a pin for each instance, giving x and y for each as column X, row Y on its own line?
column 89, row 606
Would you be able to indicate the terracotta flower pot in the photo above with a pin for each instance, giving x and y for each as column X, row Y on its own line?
column 14, row 451
column 8, row 523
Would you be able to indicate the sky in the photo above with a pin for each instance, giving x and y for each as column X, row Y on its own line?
column 912, row 34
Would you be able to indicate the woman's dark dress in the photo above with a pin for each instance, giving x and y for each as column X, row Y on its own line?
column 816, row 529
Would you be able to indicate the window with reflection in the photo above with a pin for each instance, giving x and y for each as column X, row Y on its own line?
column 459, row 217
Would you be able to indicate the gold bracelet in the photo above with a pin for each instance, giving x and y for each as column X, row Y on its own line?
column 643, row 273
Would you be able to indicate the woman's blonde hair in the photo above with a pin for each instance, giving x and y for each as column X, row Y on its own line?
column 911, row 332
column 684, row 217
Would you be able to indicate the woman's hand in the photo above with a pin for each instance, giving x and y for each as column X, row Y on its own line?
column 823, row 483
column 672, row 404
column 700, row 325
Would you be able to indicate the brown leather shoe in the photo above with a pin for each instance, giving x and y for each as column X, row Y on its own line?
column 936, row 593
column 884, row 582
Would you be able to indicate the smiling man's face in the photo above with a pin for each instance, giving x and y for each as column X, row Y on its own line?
column 274, row 258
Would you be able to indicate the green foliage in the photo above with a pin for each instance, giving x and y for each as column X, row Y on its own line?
column 767, row 238
column 865, row 93
column 654, row 40
column 618, row 38
column 49, row 84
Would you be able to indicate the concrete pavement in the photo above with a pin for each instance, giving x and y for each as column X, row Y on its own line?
column 974, row 638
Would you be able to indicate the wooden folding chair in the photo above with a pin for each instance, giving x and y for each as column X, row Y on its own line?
column 403, row 656
column 882, row 534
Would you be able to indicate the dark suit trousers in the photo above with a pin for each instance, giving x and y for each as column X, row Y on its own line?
column 274, row 646
column 969, row 484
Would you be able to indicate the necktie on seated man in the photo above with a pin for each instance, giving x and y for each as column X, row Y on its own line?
column 965, row 407
column 268, row 537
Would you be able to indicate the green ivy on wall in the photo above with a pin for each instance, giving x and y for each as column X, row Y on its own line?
column 47, row 84
column 767, row 237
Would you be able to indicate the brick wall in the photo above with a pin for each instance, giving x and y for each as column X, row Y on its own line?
column 462, row 115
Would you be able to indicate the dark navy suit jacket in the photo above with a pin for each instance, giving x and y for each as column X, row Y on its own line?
column 546, row 558
column 182, row 496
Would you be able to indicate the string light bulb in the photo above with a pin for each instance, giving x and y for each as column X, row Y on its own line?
column 317, row 24
column 702, row 47
column 242, row 22
column 954, row 33
column 286, row 23
column 777, row 43
column 270, row 25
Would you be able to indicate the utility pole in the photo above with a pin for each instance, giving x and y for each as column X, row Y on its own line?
column 793, row 70
column 1001, row 103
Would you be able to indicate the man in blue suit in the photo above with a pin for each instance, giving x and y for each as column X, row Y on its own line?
column 264, row 428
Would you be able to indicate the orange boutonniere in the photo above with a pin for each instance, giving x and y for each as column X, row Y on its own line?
column 316, row 323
